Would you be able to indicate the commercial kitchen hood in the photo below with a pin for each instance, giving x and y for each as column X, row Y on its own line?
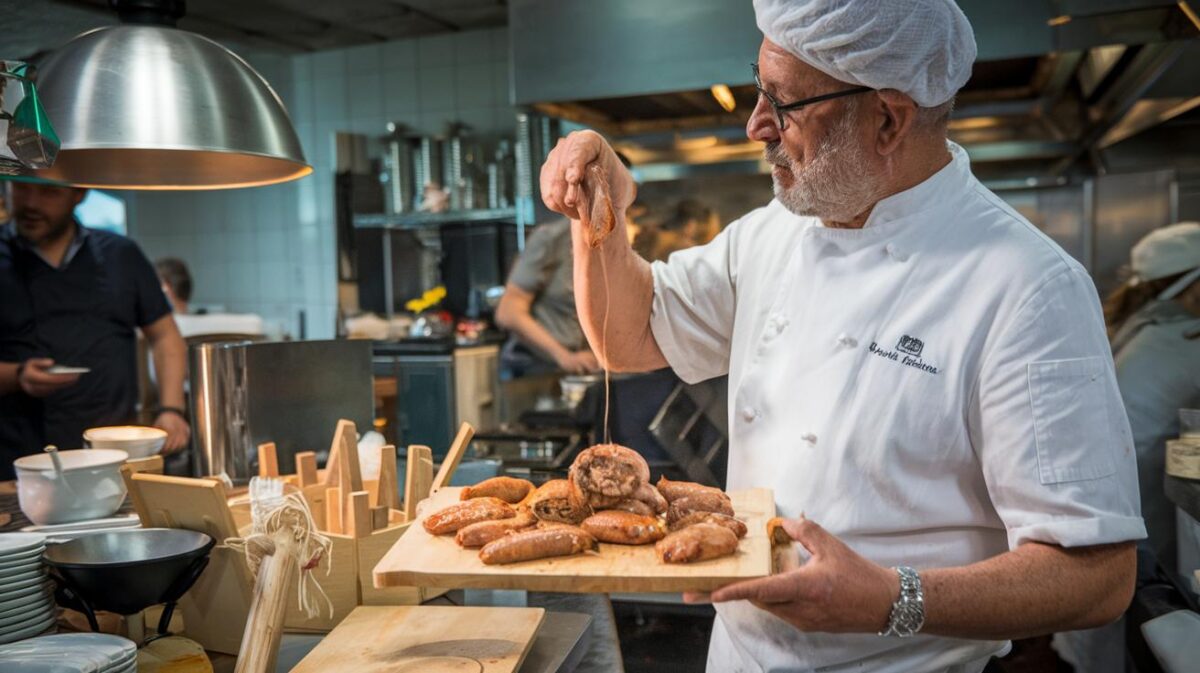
column 144, row 105
column 1057, row 82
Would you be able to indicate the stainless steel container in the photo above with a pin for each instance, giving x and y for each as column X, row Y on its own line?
column 427, row 164
column 453, row 169
column 290, row 393
column 499, row 176
column 400, row 188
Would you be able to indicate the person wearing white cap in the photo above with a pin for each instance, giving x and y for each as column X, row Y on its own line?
column 1154, row 318
column 920, row 376
column 1157, row 353
column 1164, row 266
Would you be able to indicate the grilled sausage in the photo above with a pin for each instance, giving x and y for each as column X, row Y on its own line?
column 699, row 502
column 592, row 500
column 619, row 527
column 698, row 542
column 674, row 490
column 554, row 501
column 650, row 495
column 508, row 489
column 537, row 543
column 739, row 529
column 479, row 534
column 608, row 473
column 463, row 514
column 776, row 533
column 632, row 506
column 595, row 206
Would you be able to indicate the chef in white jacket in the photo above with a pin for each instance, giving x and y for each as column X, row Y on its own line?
column 919, row 374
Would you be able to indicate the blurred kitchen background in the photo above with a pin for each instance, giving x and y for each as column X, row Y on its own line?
column 1081, row 113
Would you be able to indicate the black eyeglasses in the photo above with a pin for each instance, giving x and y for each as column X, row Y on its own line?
column 781, row 108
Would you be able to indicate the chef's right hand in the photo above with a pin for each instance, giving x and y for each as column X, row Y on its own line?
column 36, row 381
column 579, row 362
column 564, row 169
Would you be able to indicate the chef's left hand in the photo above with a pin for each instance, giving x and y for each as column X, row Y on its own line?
column 178, row 431
column 836, row 591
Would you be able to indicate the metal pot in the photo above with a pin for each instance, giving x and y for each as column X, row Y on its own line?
column 574, row 387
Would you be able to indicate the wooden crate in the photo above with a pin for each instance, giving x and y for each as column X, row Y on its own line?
column 215, row 610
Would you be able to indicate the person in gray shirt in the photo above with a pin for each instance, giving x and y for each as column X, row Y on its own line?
column 538, row 307
column 1154, row 322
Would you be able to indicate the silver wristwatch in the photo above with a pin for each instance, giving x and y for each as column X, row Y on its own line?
column 908, row 612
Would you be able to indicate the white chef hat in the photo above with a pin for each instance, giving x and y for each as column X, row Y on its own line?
column 923, row 48
column 1166, row 252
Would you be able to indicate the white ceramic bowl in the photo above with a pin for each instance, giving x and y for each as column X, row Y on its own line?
column 89, row 488
column 136, row 440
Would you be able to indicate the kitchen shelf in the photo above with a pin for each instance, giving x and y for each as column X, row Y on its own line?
column 424, row 220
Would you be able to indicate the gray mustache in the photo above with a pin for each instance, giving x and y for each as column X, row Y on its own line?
column 773, row 154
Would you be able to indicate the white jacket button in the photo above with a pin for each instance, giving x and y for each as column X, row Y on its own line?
column 749, row 414
column 775, row 326
column 895, row 252
column 809, row 437
column 846, row 340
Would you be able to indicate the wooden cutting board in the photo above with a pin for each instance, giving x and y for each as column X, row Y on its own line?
column 421, row 559
column 426, row 638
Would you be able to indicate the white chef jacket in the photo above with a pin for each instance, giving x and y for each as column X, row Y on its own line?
column 935, row 389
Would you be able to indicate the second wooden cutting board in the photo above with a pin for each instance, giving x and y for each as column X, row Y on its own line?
column 426, row 638
column 421, row 559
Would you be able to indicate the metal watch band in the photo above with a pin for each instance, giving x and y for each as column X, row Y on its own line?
column 908, row 612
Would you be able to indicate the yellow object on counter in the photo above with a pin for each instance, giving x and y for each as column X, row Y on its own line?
column 173, row 654
column 429, row 299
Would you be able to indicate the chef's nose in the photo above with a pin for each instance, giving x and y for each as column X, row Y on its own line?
column 763, row 126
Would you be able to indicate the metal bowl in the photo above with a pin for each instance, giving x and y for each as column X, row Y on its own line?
column 575, row 386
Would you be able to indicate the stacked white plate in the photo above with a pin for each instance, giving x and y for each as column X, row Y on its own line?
column 26, row 602
column 71, row 653
column 61, row 532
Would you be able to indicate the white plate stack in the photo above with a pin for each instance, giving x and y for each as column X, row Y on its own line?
column 61, row 532
column 26, row 601
column 71, row 653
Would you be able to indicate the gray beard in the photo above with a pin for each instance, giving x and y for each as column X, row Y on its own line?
column 835, row 185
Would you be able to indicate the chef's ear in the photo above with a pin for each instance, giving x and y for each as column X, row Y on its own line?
column 896, row 114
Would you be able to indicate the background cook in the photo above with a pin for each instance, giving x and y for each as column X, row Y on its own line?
column 75, row 296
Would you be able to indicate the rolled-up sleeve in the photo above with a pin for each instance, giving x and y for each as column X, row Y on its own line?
column 1049, row 427
column 692, row 314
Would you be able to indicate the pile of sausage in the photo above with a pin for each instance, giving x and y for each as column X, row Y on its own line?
column 606, row 497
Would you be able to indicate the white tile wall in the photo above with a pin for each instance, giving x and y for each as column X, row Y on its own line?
column 271, row 250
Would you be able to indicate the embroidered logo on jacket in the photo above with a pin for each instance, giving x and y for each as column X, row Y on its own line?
column 910, row 345
column 908, row 353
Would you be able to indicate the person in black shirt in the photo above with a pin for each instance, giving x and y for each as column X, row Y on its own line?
column 73, row 296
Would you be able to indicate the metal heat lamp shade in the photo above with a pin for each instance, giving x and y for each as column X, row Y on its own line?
column 155, row 107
